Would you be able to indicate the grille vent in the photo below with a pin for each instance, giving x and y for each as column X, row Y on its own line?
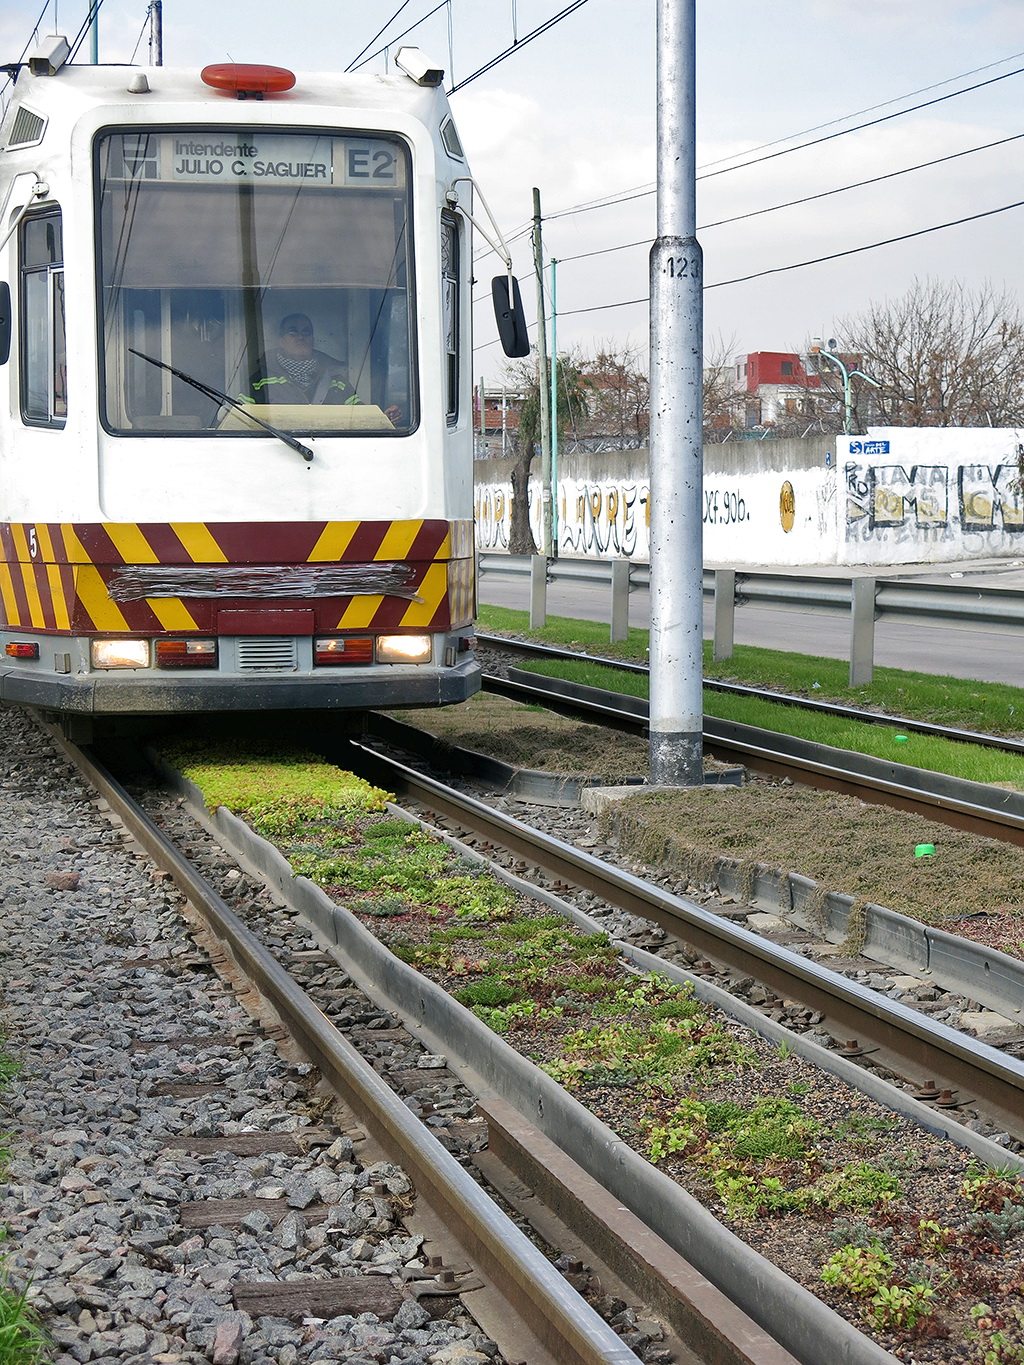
column 267, row 654
column 28, row 127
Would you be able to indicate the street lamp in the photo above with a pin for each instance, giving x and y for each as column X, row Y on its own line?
column 818, row 349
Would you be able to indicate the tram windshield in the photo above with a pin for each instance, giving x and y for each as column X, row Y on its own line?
column 272, row 267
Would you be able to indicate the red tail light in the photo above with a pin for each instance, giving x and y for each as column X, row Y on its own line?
column 349, row 650
column 22, row 650
column 186, row 653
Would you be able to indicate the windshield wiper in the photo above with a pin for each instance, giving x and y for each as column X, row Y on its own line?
column 211, row 392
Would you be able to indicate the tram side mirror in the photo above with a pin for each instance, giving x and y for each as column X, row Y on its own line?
column 5, row 322
column 508, row 314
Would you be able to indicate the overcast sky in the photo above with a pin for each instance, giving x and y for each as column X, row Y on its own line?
column 573, row 112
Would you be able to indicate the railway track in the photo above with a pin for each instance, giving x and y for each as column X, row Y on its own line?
column 510, row 1287
column 529, row 650
column 992, row 812
column 522, row 1153
column 898, row 1040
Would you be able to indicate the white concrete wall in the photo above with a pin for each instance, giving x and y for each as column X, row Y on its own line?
column 931, row 494
column 899, row 495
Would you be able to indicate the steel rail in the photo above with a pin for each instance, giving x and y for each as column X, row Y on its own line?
column 555, row 1324
column 909, row 1043
column 814, row 767
column 827, row 708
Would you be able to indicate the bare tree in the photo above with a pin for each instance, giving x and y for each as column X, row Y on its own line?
column 618, row 397
column 943, row 354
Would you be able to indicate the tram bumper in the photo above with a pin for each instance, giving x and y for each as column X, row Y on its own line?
column 152, row 693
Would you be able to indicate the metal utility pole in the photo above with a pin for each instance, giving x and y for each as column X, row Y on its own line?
column 554, row 409
column 94, row 32
column 848, row 376
column 156, row 33
column 677, row 568
column 542, row 384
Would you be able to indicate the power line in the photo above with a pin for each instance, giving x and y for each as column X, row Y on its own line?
column 28, row 44
column 816, row 260
column 521, row 43
column 809, row 198
column 91, row 16
column 402, row 6
column 355, row 66
column 853, row 251
column 641, row 191
column 830, row 123
column 859, row 184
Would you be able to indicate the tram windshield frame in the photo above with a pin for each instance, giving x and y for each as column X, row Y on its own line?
column 273, row 265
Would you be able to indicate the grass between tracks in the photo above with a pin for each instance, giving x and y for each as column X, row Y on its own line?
column 22, row 1339
column 914, row 696
column 839, row 1191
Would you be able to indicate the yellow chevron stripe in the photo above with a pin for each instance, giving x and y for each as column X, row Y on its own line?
column 398, row 540
column 61, row 616
column 359, row 613
column 432, row 590
column 172, row 613
column 334, row 541
column 92, row 593
column 130, row 543
column 74, row 547
column 197, row 540
column 7, row 593
column 28, row 577
column 45, row 543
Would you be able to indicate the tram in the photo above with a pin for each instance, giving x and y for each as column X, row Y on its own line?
column 236, row 460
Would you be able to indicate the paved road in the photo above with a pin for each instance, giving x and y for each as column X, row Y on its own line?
column 988, row 657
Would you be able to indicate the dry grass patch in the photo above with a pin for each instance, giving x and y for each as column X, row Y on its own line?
column 530, row 737
column 865, row 851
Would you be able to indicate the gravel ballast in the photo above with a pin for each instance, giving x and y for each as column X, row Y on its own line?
column 100, row 977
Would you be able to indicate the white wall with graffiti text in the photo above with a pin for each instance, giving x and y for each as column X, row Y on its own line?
column 899, row 495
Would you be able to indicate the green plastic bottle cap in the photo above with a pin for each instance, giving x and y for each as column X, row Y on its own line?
column 924, row 851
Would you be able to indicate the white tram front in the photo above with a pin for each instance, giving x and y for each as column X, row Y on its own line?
column 236, row 463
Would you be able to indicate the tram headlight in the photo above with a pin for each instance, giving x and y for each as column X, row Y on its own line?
column 403, row 649
column 120, row 653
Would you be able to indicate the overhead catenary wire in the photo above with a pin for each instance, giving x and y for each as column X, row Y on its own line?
column 641, row 191
column 796, row 265
column 91, row 16
column 516, row 46
column 815, row 260
column 383, row 29
column 831, row 123
column 357, row 65
column 28, row 44
column 807, row 198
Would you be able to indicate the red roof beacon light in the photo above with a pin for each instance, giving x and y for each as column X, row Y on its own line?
column 248, row 82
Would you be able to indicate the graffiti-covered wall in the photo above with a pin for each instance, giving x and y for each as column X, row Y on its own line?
column 899, row 495
column 932, row 494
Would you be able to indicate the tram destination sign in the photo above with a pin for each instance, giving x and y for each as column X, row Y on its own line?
column 238, row 156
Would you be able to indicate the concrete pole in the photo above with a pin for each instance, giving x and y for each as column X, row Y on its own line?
column 677, row 607
column 542, row 384
column 156, row 41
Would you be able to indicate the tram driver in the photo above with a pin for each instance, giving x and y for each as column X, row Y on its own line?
column 295, row 372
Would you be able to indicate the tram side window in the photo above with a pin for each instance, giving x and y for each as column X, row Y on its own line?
column 44, row 396
column 450, row 311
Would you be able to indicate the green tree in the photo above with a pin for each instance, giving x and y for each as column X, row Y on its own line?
column 574, row 388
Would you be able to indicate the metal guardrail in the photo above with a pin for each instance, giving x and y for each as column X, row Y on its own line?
column 864, row 598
